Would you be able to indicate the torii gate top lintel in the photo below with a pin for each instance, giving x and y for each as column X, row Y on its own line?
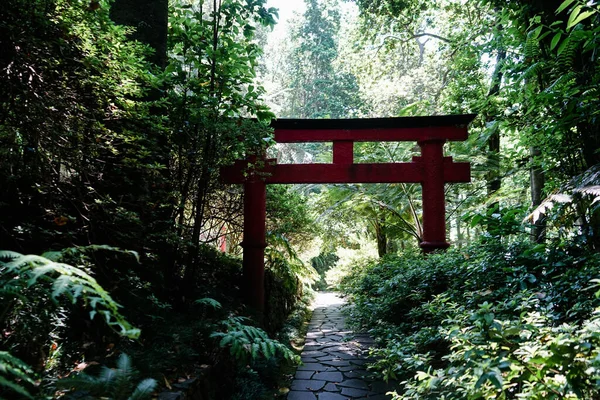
column 442, row 127
column 432, row 170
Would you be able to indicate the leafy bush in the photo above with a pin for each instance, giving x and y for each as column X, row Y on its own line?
column 489, row 321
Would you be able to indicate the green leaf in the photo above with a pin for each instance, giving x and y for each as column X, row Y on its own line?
column 555, row 40
column 573, row 15
column 580, row 17
column 536, row 32
column 563, row 46
column 564, row 5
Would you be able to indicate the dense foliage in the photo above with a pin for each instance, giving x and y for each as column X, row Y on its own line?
column 111, row 139
column 490, row 320
column 102, row 150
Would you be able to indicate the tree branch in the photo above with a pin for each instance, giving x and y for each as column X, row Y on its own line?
column 414, row 36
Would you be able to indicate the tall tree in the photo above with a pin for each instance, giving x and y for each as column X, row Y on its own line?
column 211, row 87
column 318, row 88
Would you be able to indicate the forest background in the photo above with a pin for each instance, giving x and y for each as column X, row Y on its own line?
column 116, row 116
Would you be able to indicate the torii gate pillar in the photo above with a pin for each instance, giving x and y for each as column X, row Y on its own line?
column 434, row 202
column 254, row 242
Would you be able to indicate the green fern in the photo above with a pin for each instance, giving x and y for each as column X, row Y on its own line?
column 532, row 44
column 13, row 370
column 20, row 272
column 248, row 344
column 567, row 53
column 207, row 301
column 113, row 383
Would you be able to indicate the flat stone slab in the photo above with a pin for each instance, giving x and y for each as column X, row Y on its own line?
column 331, row 396
column 344, row 356
column 312, row 367
column 354, row 383
column 326, row 358
column 352, row 392
column 307, row 384
column 301, row 396
column 329, row 376
column 304, row 374
column 335, row 363
column 356, row 374
column 313, row 353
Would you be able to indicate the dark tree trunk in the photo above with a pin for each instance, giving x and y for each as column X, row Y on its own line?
column 538, row 230
column 150, row 20
column 381, row 235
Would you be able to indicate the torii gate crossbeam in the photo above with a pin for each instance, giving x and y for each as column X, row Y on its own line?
column 432, row 170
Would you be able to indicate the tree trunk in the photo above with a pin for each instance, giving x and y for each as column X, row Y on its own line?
column 493, row 177
column 459, row 235
column 538, row 230
column 381, row 236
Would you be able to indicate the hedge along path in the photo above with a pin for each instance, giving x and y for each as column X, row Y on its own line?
column 334, row 358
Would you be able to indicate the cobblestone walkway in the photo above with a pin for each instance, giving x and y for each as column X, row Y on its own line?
column 334, row 358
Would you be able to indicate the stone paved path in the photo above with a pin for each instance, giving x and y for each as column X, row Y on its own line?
column 334, row 358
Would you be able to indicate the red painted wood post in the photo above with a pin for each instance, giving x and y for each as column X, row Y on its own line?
column 343, row 152
column 254, row 242
column 434, row 207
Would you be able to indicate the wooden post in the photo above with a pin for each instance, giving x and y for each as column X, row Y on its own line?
column 434, row 207
column 343, row 152
column 254, row 242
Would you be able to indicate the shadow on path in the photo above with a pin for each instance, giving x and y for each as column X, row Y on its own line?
column 334, row 358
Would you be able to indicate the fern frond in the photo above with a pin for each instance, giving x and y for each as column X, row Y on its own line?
column 249, row 343
column 71, row 282
column 532, row 46
column 209, row 302
column 533, row 71
column 7, row 255
column 589, row 190
column 81, row 381
column 13, row 370
column 124, row 365
column 107, row 375
column 143, row 390
column 53, row 255
column 14, row 387
column 125, row 374
column 547, row 205
column 562, row 81
column 117, row 383
column 567, row 53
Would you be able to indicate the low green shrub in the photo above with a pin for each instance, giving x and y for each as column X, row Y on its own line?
column 491, row 320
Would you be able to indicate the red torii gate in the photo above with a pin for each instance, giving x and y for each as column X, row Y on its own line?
column 432, row 170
